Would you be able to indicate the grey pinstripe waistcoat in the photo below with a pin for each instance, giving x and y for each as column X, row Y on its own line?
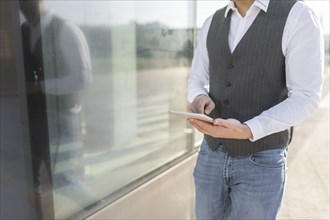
column 251, row 79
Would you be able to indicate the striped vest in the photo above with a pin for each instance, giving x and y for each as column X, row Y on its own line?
column 250, row 80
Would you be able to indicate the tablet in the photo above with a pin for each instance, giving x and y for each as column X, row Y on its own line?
column 192, row 115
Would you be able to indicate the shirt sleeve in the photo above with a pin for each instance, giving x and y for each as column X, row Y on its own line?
column 304, row 58
column 199, row 73
column 75, row 52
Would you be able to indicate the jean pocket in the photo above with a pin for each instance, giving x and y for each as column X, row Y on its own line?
column 269, row 158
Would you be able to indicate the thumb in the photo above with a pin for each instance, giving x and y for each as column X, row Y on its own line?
column 209, row 108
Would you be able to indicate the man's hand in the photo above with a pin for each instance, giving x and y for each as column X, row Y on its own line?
column 223, row 128
column 202, row 104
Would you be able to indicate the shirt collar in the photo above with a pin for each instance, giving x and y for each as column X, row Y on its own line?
column 262, row 4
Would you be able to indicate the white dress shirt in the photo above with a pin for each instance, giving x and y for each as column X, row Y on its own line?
column 75, row 51
column 302, row 46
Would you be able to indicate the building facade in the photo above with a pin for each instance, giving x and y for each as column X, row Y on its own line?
column 86, row 87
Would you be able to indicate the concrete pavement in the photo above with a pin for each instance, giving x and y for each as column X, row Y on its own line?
column 307, row 189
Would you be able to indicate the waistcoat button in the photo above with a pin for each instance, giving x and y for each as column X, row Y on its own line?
column 226, row 102
column 227, row 84
column 230, row 66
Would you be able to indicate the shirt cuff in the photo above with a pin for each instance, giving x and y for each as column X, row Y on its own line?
column 256, row 129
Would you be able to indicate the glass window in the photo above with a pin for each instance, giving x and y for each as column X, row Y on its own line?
column 106, row 73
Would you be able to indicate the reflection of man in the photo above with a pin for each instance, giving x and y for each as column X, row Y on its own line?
column 263, row 61
column 57, row 67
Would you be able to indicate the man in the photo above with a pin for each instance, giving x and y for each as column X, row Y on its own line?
column 263, row 61
column 57, row 67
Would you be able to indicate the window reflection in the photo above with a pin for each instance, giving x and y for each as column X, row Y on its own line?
column 57, row 68
column 101, row 77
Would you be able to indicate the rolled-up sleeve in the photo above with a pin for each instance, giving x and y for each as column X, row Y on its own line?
column 303, row 48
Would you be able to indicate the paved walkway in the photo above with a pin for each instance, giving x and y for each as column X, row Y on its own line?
column 307, row 190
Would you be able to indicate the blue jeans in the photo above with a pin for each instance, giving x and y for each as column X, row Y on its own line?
column 243, row 187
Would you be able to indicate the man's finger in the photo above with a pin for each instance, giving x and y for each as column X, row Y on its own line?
column 209, row 108
column 203, row 125
column 229, row 123
column 191, row 108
